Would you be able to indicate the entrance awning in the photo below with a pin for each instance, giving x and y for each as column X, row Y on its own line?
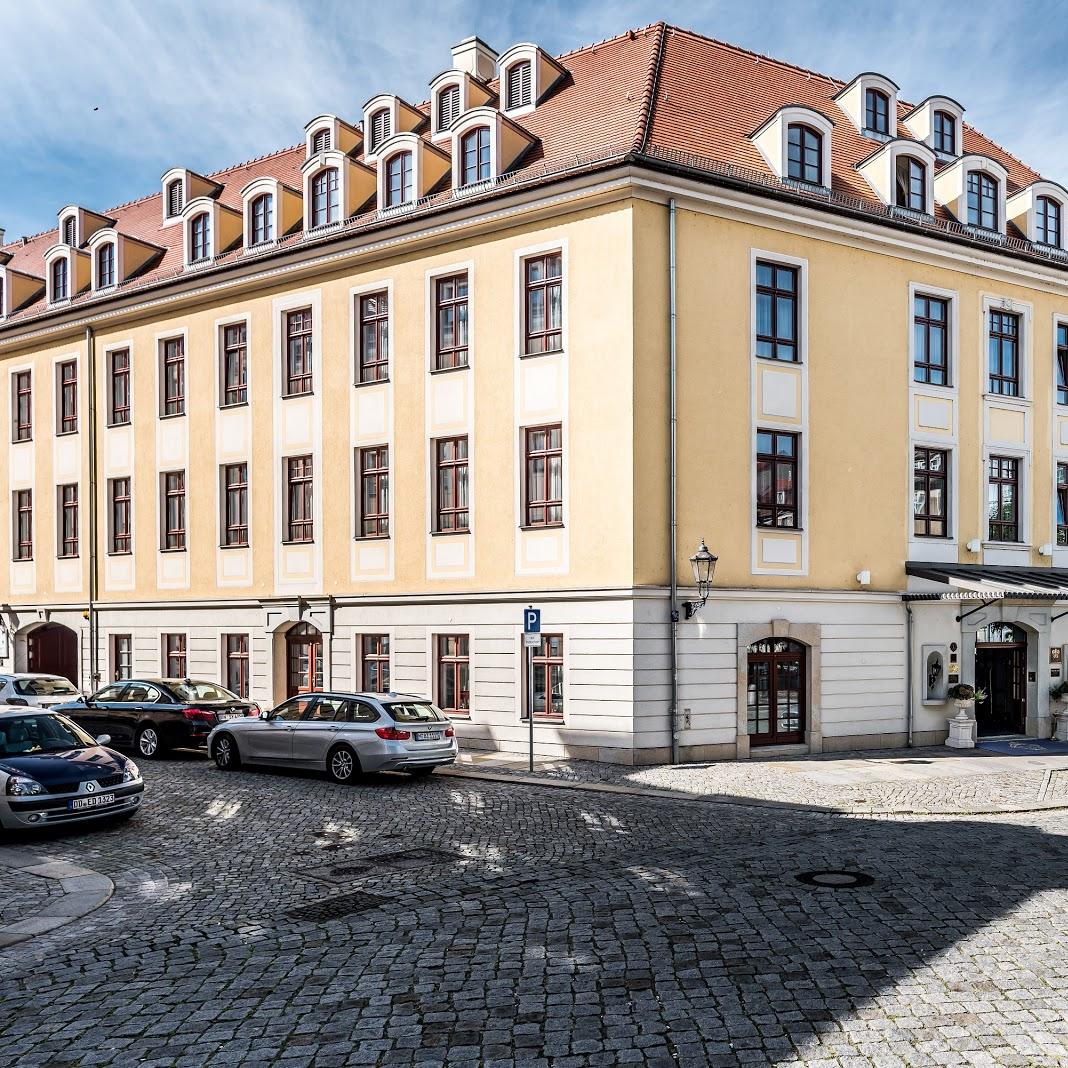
column 988, row 582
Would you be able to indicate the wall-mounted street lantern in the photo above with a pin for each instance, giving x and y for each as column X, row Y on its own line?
column 704, row 567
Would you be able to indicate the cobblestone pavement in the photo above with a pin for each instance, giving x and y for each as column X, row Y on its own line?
column 24, row 894
column 264, row 919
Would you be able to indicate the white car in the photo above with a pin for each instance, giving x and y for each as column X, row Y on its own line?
column 41, row 691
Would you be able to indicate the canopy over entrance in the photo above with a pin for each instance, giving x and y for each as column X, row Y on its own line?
column 990, row 582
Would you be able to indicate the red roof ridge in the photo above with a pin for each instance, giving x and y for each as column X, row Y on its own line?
column 652, row 80
column 626, row 34
column 257, row 159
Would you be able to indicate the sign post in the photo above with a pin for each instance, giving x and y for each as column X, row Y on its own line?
column 531, row 641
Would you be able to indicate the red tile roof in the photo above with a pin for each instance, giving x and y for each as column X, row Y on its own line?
column 659, row 94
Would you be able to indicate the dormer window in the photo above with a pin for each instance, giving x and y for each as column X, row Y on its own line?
column 982, row 200
column 944, row 133
column 911, row 184
column 261, row 213
column 70, row 231
column 1048, row 221
column 517, row 85
column 321, row 141
column 877, row 111
column 175, row 198
column 325, row 199
column 60, row 280
column 448, row 106
column 399, row 179
column 199, row 238
column 475, row 156
column 105, row 266
column 381, row 127
column 804, row 160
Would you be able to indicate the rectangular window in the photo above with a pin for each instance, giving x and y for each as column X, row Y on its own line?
column 930, row 493
column 121, row 657
column 67, row 396
column 235, row 504
column 1003, row 497
column 234, row 370
column 1004, row 353
column 299, row 514
column 450, row 322
column 374, row 337
column 21, row 406
column 544, row 476
column 119, row 388
column 1062, row 504
column 173, row 486
column 298, row 376
column 543, row 303
column 548, row 667
column 373, row 473
column 777, row 493
column 374, row 663
column 451, row 464
column 173, row 649
column 776, row 312
column 22, row 509
column 930, row 332
column 1062, row 363
column 174, row 376
column 68, row 520
column 119, row 507
column 454, row 674
column 235, row 667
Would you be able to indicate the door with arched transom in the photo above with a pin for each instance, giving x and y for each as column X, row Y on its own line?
column 304, row 659
column 776, row 692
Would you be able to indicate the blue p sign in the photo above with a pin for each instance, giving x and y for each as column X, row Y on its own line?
column 532, row 621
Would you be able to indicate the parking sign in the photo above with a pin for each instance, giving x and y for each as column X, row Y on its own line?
column 531, row 628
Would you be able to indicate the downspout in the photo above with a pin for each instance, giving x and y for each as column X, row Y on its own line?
column 94, row 650
column 674, row 520
column 908, row 670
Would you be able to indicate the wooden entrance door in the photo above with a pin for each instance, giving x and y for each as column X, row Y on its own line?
column 776, row 692
column 304, row 659
column 53, row 650
column 1001, row 670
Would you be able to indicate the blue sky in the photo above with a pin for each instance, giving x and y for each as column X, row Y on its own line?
column 101, row 98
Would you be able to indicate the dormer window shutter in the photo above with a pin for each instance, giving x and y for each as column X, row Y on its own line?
column 518, row 89
column 174, row 198
column 321, row 141
column 380, row 127
column 448, row 106
column 70, row 230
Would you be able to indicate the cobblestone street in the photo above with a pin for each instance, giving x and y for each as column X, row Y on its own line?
column 270, row 918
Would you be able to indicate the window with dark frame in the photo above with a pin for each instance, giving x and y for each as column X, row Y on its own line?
column 174, row 198
column 1062, row 504
column 298, row 376
column 235, row 663
column 982, row 200
column 1003, row 492
column 67, row 383
column 454, row 674
column 911, row 185
column 105, row 266
column 373, row 474
column 945, row 133
column 547, row 664
column 399, row 179
column 930, row 331
column 452, row 485
column 777, row 479
column 119, row 507
column 119, row 389
column 68, row 520
column 22, row 406
column 234, row 364
column 876, row 111
column 299, row 499
column 326, row 204
column 321, row 141
column 475, row 156
column 544, row 488
column 450, row 322
column 374, row 663
column 543, row 304
column 121, row 657
column 235, row 505
column 174, row 658
column 173, row 487
column 262, row 212
column 373, row 337
column 1062, row 363
column 200, row 238
column 60, row 288
column 518, row 85
column 381, row 126
column 22, row 509
column 804, row 154
column 1004, row 353
column 70, row 230
column 448, row 106
column 930, row 489
column 776, row 311
column 1048, row 221
column 174, row 376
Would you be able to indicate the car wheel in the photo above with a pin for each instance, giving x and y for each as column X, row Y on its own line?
column 149, row 743
column 225, row 753
column 421, row 773
column 342, row 764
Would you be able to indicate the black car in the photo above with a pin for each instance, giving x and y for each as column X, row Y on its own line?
column 154, row 715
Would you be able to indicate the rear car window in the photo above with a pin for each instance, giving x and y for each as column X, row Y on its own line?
column 201, row 691
column 44, row 688
column 414, row 712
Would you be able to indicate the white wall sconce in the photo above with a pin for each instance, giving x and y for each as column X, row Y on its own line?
column 864, row 578
column 1046, row 550
column 974, row 545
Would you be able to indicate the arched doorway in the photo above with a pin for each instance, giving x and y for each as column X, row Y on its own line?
column 53, row 650
column 776, row 692
column 1001, row 670
column 304, row 659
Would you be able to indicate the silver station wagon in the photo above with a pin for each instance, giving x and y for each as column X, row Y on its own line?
column 342, row 734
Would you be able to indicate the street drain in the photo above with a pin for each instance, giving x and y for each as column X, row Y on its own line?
column 333, row 908
column 382, row 863
column 835, row 880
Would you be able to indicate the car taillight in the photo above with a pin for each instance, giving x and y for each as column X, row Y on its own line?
column 255, row 710
column 392, row 734
column 203, row 715
column 449, row 732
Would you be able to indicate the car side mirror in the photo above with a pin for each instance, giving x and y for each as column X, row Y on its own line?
column 103, row 739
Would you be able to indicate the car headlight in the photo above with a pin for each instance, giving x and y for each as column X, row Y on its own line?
column 130, row 772
column 21, row 786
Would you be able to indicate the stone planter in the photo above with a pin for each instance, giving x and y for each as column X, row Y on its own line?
column 1060, row 722
column 962, row 727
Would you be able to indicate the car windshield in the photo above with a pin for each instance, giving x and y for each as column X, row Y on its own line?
column 26, row 735
column 44, row 687
column 405, row 712
column 190, row 690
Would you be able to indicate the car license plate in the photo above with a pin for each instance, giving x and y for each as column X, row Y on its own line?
column 230, row 715
column 428, row 736
column 99, row 801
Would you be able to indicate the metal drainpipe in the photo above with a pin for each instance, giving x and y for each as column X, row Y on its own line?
column 673, row 374
column 908, row 670
column 94, row 652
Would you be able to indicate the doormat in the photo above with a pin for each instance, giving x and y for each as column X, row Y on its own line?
column 1023, row 746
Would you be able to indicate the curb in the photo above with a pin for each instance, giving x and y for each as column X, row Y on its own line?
column 745, row 802
column 84, row 890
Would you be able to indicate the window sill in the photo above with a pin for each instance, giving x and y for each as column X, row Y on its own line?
column 22, row 559
column 291, row 541
column 1007, row 545
column 120, row 552
column 233, row 404
column 449, row 370
column 114, row 426
column 294, row 396
column 449, row 533
column 775, row 359
column 535, row 355
column 543, row 719
column 370, row 537
column 1002, row 398
column 781, row 530
column 66, row 433
column 917, row 384
column 67, row 556
column 174, row 549
column 541, row 526
column 235, row 545
column 462, row 717
column 22, row 441
column 172, row 415
column 371, row 382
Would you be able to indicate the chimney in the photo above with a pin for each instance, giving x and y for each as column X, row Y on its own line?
column 476, row 57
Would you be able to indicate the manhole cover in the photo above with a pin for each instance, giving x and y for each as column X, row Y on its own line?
column 835, row 880
column 332, row 908
column 358, row 867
